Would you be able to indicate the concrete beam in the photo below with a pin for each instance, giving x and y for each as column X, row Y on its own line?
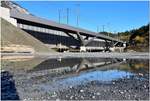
column 83, row 41
column 70, row 35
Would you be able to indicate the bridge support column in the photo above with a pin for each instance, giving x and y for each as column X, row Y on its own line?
column 70, row 35
column 83, row 42
column 82, row 49
column 107, row 46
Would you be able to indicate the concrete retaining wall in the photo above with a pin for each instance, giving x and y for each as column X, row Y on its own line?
column 5, row 14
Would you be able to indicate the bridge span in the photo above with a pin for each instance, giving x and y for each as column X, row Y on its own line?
column 59, row 36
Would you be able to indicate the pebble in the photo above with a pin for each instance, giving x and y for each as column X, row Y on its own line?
column 71, row 97
column 113, row 82
column 93, row 97
column 82, row 97
column 98, row 93
column 70, row 87
column 54, row 94
column 121, row 92
column 140, row 74
column 81, row 90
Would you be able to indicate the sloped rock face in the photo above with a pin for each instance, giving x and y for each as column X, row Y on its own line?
column 14, row 6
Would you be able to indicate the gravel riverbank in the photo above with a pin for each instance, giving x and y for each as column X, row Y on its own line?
column 75, row 79
column 124, row 89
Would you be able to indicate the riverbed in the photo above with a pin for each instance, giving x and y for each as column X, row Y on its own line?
column 75, row 79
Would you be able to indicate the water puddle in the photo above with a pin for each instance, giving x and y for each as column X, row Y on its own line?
column 49, row 75
column 102, row 76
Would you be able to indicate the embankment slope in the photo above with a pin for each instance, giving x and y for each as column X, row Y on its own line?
column 13, row 35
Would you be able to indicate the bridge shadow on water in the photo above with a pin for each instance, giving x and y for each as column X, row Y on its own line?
column 8, row 89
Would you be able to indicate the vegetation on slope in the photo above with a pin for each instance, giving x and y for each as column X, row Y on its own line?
column 138, row 39
column 11, row 35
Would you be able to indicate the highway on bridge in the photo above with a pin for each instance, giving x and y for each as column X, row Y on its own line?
column 58, row 26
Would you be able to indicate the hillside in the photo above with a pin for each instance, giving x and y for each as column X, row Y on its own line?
column 140, row 36
column 11, row 36
column 137, row 39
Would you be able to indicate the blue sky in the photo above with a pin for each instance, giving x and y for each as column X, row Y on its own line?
column 116, row 16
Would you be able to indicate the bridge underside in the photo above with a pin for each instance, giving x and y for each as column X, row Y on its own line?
column 66, row 39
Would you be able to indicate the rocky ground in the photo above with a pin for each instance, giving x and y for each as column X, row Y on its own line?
column 24, row 85
column 132, row 88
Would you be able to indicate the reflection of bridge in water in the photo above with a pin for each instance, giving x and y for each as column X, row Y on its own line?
column 74, row 65
column 73, row 71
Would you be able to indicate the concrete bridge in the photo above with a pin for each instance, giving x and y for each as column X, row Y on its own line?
column 63, row 36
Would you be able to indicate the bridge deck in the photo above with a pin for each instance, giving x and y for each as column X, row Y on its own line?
column 61, row 27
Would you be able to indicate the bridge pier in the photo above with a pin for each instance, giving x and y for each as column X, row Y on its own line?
column 107, row 46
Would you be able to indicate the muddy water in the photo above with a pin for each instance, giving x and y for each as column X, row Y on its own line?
column 73, row 78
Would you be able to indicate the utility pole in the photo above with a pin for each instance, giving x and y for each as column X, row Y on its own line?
column 97, row 29
column 78, row 10
column 118, row 36
column 59, row 15
column 108, row 26
column 114, row 32
column 67, row 15
column 103, row 26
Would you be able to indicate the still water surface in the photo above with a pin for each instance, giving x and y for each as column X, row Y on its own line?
column 38, row 77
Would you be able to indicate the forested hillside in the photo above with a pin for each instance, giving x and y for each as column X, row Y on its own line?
column 137, row 39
